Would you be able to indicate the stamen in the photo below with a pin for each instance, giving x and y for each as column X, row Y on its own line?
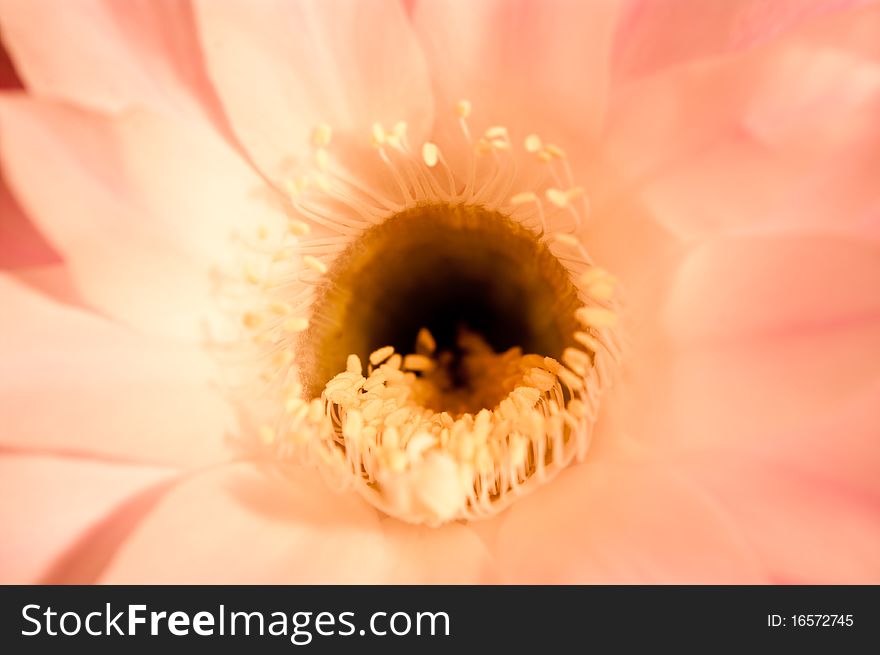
column 321, row 135
column 296, row 324
column 430, row 154
column 456, row 426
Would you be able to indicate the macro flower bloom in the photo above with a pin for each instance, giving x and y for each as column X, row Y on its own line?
column 497, row 291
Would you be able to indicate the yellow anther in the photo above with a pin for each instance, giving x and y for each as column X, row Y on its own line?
column 282, row 358
column 315, row 264
column 425, row 344
column 321, row 135
column 602, row 290
column 418, row 363
column 596, row 274
column 430, row 154
column 463, row 108
column 251, row 320
column 295, row 324
column 251, row 275
column 523, row 198
column 496, row 132
column 570, row 380
column 566, row 239
column 596, row 316
column 298, row 228
column 280, row 308
column 353, row 364
column 577, row 360
column 587, row 341
column 533, row 143
column 557, row 196
column 381, row 354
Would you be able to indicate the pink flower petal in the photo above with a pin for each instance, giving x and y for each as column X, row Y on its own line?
column 780, row 138
column 766, row 332
column 450, row 554
column 742, row 391
column 808, row 500
column 530, row 66
column 245, row 524
column 21, row 244
column 135, row 203
column 619, row 521
column 658, row 34
column 110, row 55
column 737, row 288
column 281, row 68
column 48, row 503
column 76, row 383
column 53, row 281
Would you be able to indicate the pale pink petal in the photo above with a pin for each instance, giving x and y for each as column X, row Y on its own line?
column 53, row 281
column 21, row 244
column 741, row 391
column 809, row 500
column 530, row 66
column 249, row 524
column 48, row 503
column 757, row 336
column 623, row 237
column 8, row 75
column 739, row 288
column 136, row 203
column 110, row 54
column 450, row 554
column 77, row 383
column 782, row 137
column 281, row 68
column 657, row 34
column 618, row 521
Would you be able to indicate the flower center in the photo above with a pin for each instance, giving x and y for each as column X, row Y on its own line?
column 437, row 339
column 473, row 278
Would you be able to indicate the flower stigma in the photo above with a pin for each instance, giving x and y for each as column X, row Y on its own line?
column 437, row 338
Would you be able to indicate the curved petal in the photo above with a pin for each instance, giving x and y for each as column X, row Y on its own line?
column 450, row 554
column 782, row 137
column 735, row 289
column 143, row 210
column 110, row 55
column 76, row 383
column 619, row 521
column 47, row 503
column 21, row 244
column 808, row 499
column 281, row 68
column 738, row 393
column 246, row 524
column 658, row 34
column 53, row 281
column 530, row 66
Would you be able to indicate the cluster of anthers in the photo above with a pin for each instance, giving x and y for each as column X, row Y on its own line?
column 396, row 426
